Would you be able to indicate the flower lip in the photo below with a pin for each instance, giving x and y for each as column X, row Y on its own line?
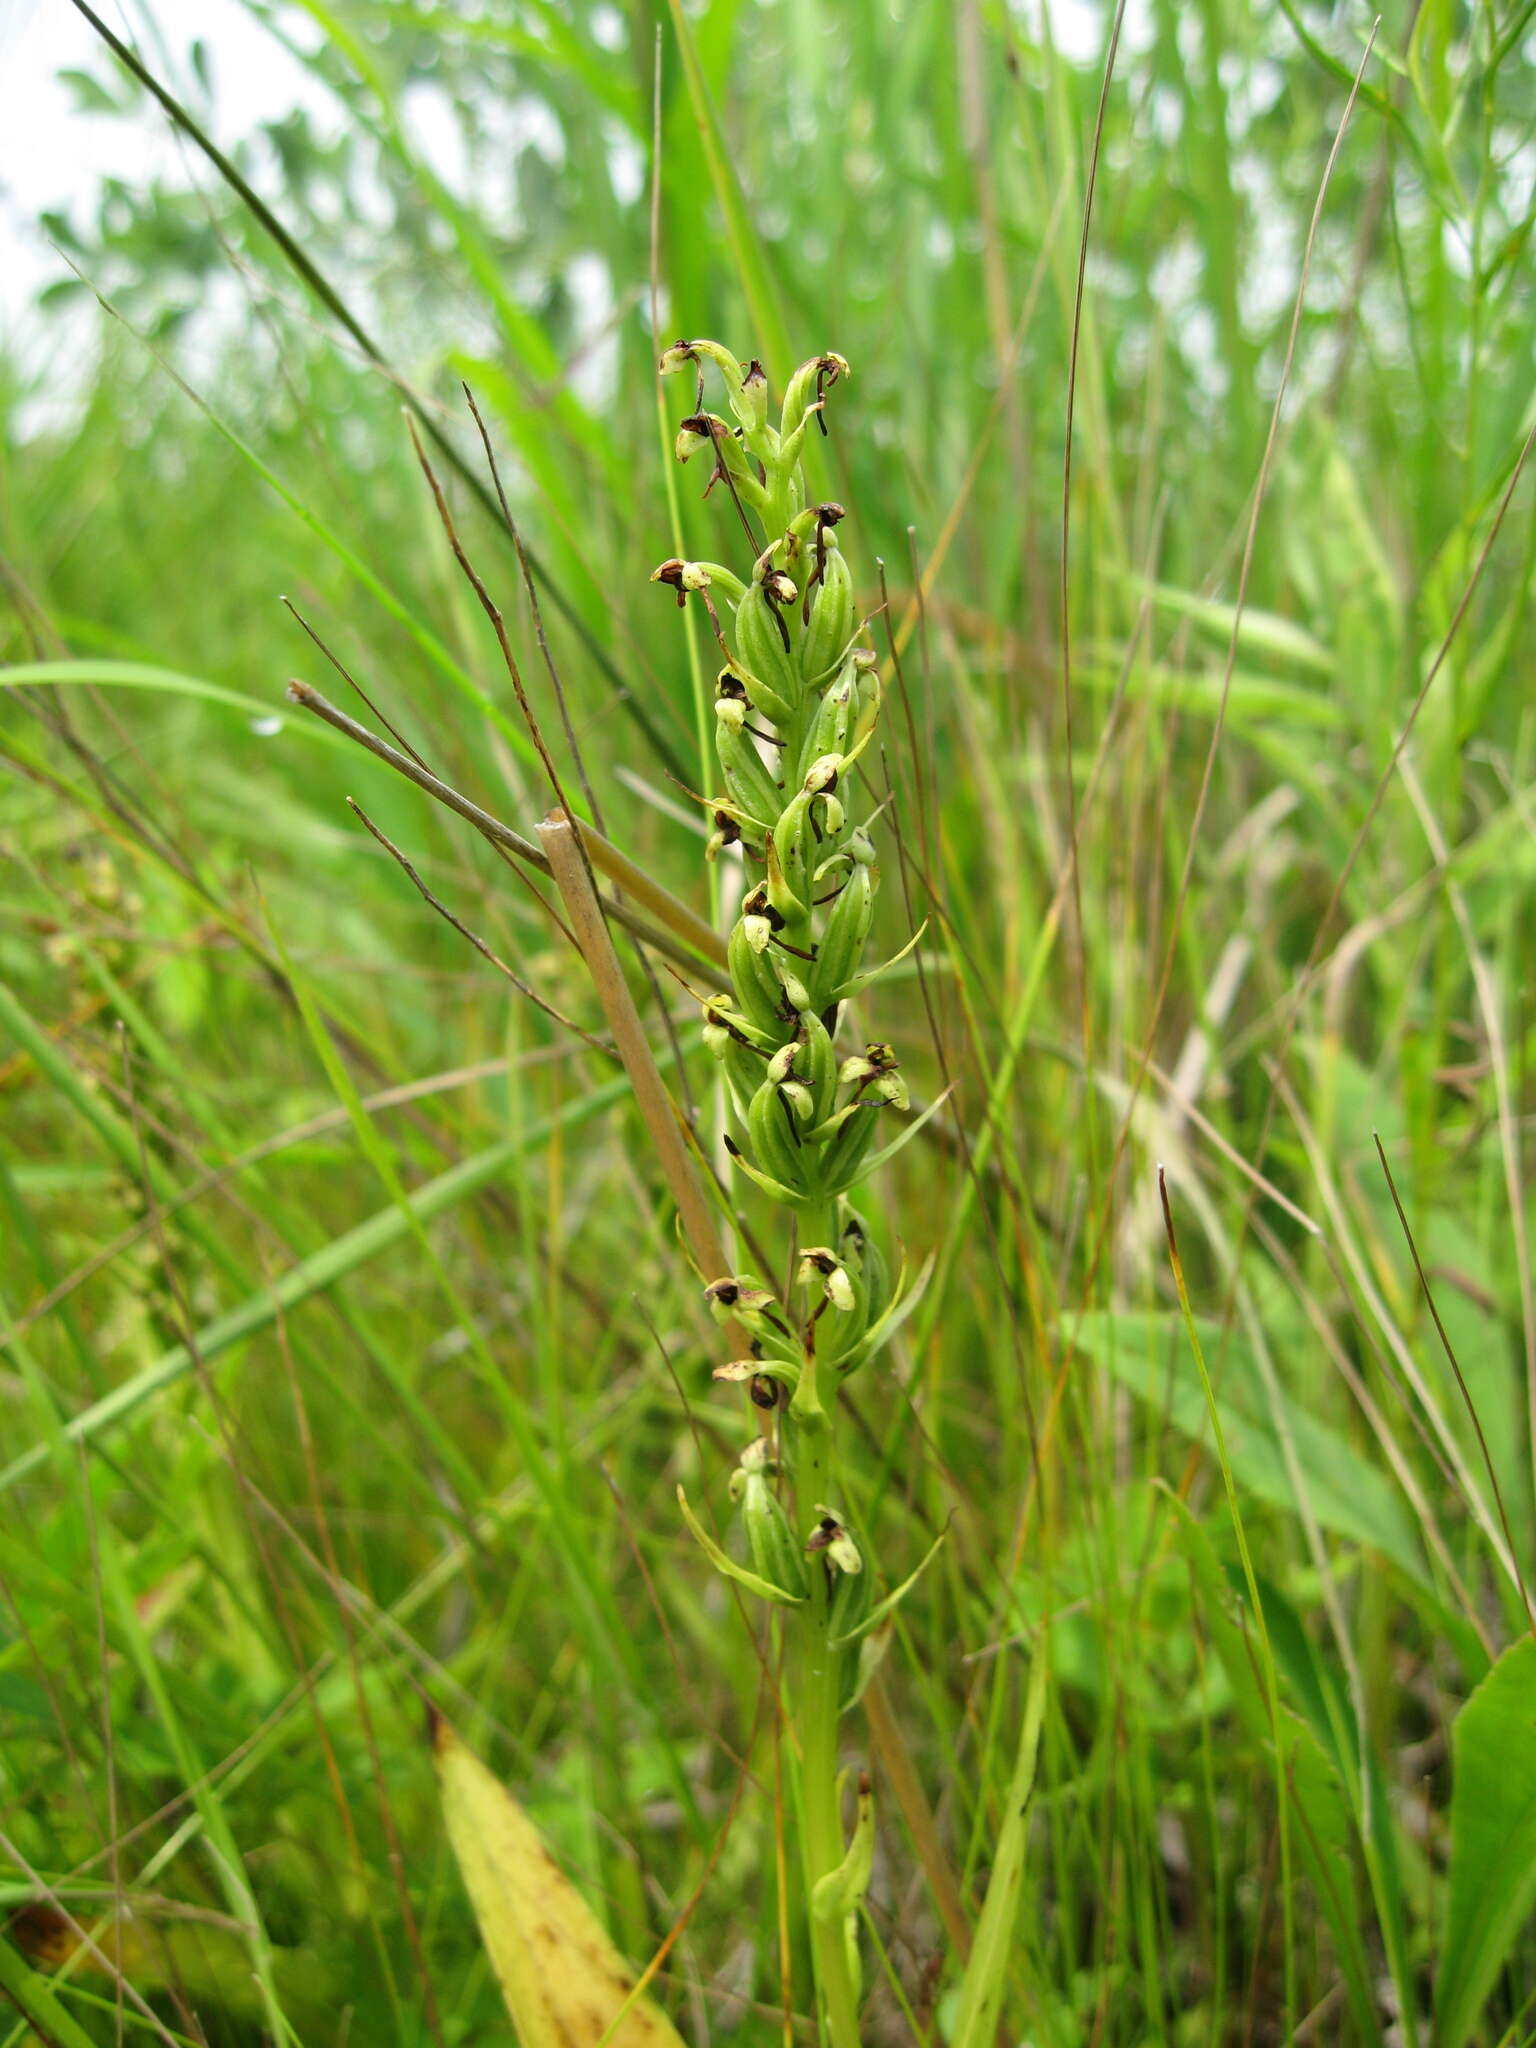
column 681, row 576
column 756, row 904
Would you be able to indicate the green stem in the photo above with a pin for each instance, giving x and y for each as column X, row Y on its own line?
column 817, row 1706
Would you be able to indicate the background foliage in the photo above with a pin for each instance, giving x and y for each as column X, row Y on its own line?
column 348, row 1350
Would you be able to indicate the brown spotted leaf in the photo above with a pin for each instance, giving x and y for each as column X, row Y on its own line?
column 564, row 1982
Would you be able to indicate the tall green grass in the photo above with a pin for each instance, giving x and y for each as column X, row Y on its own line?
column 345, row 1351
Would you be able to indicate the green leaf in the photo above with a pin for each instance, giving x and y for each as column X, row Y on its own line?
column 37, row 2001
column 986, row 1973
column 763, row 1588
column 892, row 1600
column 1147, row 1353
column 1493, row 1839
column 140, row 675
column 1325, row 1833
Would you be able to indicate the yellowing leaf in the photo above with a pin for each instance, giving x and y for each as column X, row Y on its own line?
column 564, row 1981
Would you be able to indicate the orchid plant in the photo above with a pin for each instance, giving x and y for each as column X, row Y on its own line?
column 797, row 702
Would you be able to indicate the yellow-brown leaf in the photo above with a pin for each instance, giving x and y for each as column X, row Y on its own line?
column 562, row 1978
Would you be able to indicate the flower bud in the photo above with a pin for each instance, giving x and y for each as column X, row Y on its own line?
column 682, row 576
column 780, row 1066
column 692, row 435
column 818, row 1263
column 795, row 989
column 735, row 1297
column 752, row 406
column 770, row 1540
column 830, row 1535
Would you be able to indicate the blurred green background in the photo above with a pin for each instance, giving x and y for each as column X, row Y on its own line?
column 348, row 1351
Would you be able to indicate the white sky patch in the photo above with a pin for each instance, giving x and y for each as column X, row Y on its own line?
column 53, row 158
column 626, row 163
column 596, row 364
column 1080, row 28
column 607, row 28
column 436, row 134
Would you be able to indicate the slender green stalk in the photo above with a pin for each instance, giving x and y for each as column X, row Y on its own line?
column 817, row 1709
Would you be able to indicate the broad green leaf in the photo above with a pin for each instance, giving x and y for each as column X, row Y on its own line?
column 1147, row 1352
column 565, row 1983
column 1493, row 1839
column 141, row 675
column 1260, row 633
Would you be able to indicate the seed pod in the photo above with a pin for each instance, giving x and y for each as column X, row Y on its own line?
column 834, row 616
column 750, row 405
column 757, row 986
column 874, row 1273
column 773, row 1138
column 831, row 730
column 818, row 1065
column 747, row 779
column 743, row 1071
column 784, row 896
column 794, row 846
column 838, row 1168
column 845, row 935
column 763, row 642
column 771, row 1543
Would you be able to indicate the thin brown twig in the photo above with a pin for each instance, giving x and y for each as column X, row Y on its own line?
column 479, row 944
column 585, row 908
column 688, row 937
column 352, row 683
column 535, row 610
column 493, row 612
